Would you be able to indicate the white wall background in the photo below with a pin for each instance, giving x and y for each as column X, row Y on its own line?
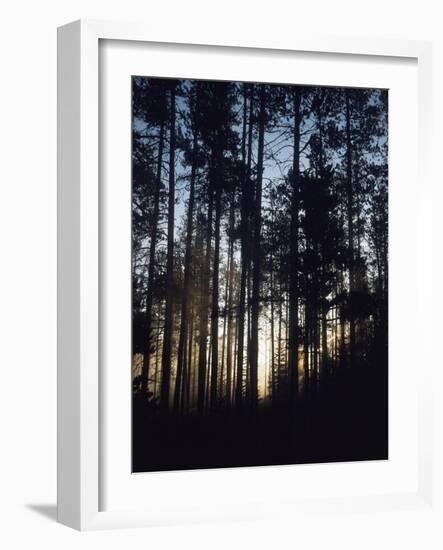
column 28, row 267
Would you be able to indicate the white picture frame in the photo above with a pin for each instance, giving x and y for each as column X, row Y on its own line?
column 79, row 420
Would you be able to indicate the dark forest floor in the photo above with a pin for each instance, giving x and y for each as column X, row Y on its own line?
column 346, row 419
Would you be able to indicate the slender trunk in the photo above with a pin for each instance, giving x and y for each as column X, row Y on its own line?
column 342, row 323
column 248, row 336
column 202, row 353
column 184, row 381
column 194, row 372
column 187, row 277
column 287, row 333
column 315, row 312
column 306, row 344
column 151, row 269
column 358, row 207
column 167, row 336
column 324, row 339
column 256, row 273
column 234, row 366
column 225, row 322
column 208, row 376
column 323, row 310
column 272, row 330
column 307, row 328
column 230, row 301
column 350, row 224
column 215, row 297
column 244, row 227
column 280, row 315
column 189, row 370
column 293, row 275
column 157, row 345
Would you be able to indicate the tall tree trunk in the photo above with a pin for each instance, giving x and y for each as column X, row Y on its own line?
column 204, row 305
column 273, row 377
column 306, row 339
column 280, row 345
column 287, row 332
column 315, row 314
column 215, row 296
column 323, row 290
column 208, row 376
column 342, row 322
column 256, row 273
column 167, row 336
column 324, row 336
column 230, row 301
column 234, row 365
column 225, row 322
column 293, row 254
column 189, row 374
column 248, row 335
column 358, row 205
column 151, row 269
column 187, row 277
column 350, row 214
column 244, row 230
column 157, row 346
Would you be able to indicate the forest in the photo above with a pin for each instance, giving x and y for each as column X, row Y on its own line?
column 259, row 274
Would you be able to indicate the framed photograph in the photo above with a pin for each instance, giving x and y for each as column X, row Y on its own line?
column 239, row 224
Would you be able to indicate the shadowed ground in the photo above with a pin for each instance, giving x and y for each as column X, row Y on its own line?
column 345, row 420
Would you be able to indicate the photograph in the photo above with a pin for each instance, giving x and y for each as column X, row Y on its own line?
column 259, row 274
